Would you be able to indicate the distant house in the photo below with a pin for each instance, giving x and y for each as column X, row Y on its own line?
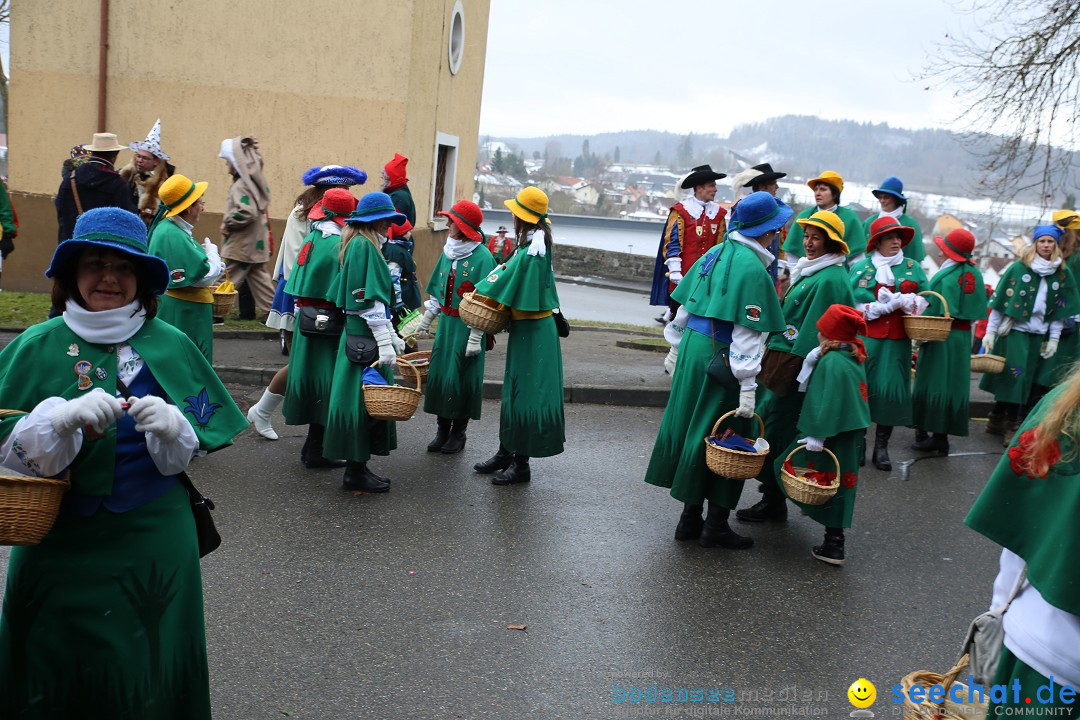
column 585, row 193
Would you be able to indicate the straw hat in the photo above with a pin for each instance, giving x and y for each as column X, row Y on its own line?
column 104, row 142
column 178, row 193
column 531, row 205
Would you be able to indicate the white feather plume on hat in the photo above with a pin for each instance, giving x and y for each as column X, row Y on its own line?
column 742, row 180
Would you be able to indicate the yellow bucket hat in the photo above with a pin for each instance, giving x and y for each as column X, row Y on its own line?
column 178, row 193
column 830, row 223
column 531, row 205
column 1066, row 219
column 829, row 176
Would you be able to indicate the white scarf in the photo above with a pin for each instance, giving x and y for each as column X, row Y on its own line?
column 807, row 368
column 884, row 267
column 763, row 255
column 183, row 224
column 456, row 249
column 948, row 263
column 104, row 326
column 895, row 213
column 1043, row 267
column 326, row 227
column 537, row 243
column 805, row 267
column 694, row 207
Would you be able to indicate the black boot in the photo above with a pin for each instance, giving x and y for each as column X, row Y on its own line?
column 441, row 435
column 717, row 533
column 771, row 508
column 995, row 420
column 832, row 550
column 314, row 458
column 358, row 478
column 921, row 436
column 245, row 302
column 690, row 523
column 862, row 449
column 517, row 472
column 457, row 437
column 500, row 461
column 881, row 448
column 307, row 446
column 938, row 443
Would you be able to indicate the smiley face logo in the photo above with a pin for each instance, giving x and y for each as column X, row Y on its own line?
column 862, row 693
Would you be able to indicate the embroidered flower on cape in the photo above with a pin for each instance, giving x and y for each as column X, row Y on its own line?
column 201, row 407
column 1019, row 450
column 849, row 480
column 863, row 392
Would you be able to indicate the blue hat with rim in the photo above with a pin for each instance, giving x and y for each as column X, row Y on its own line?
column 891, row 185
column 111, row 228
column 759, row 213
column 375, row 206
column 335, row 175
column 1052, row 230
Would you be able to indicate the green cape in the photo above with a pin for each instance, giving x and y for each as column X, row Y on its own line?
column 730, row 283
column 525, row 283
column 186, row 259
column 962, row 305
column 853, row 232
column 364, row 278
column 316, row 267
column 1016, row 291
column 1036, row 517
column 835, row 397
column 40, row 362
column 863, row 280
column 472, row 269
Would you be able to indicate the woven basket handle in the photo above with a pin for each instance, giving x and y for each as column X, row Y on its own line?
column 11, row 413
column 415, row 372
column 729, row 413
column 944, row 302
column 797, row 448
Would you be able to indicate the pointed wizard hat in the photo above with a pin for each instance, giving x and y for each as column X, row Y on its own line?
column 152, row 143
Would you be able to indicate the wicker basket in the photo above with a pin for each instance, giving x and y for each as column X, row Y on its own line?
column 392, row 402
column 224, row 302
column 987, row 363
column 734, row 464
column 947, row 708
column 476, row 311
column 28, row 505
column 418, row 361
column 804, row 491
column 929, row 327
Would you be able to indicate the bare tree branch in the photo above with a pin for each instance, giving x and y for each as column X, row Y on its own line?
column 1019, row 82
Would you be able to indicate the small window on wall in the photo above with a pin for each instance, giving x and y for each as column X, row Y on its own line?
column 443, row 187
column 457, row 37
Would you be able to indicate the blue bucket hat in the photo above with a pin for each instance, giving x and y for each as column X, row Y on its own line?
column 335, row 175
column 111, row 229
column 375, row 206
column 892, row 185
column 1052, row 230
column 759, row 213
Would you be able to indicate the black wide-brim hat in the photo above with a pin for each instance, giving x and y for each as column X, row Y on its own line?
column 700, row 175
column 767, row 174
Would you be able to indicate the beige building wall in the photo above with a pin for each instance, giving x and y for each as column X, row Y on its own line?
column 348, row 83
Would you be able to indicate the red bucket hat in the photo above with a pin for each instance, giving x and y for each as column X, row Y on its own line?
column 843, row 323
column 468, row 217
column 884, row 225
column 957, row 245
column 336, row 204
column 401, row 230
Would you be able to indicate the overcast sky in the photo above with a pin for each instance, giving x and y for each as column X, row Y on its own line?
column 704, row 66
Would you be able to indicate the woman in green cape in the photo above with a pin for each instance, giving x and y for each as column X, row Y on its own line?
column 531, row 420
column 104, row 617
column 364, row 292
column 827, row 188
column 942, row 389
column 728, row 308
column 1068, row 352
column 834, row 415
column 193, row 268
column 455, row 381
column 894, row 205
column 314, row 356
column 885, row 286
column 1029, row 507
column 818, row 281
column 1031, row 302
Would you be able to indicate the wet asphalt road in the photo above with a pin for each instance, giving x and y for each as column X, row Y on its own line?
column 324, row 604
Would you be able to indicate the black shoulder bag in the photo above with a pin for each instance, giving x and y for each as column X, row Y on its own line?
column 320, row 321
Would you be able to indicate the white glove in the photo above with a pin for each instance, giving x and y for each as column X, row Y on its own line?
column 96, row 408
column 1049, row 350
column 674, row 334
column 885, row 295
column 988, row 342
column 399, row 343
column 874, row 310
column 675, row 276
column 425, row 322
column 384, row 336
column 747, row 399
column 897, row 302
column 813, row 444
column 473, row 345
column 1005, row 326
column 154, row 415
column 670, row 359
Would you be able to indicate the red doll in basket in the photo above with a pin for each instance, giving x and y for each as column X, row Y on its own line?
column 834, row 415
